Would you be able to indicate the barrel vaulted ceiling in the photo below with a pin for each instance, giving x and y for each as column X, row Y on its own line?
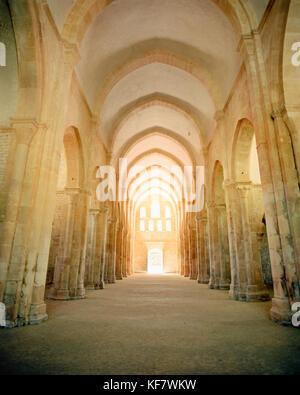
column 154, row 73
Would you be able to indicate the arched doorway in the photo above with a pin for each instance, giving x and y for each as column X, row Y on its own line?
column 253, row 264
column 155, row 261
column 67, row 251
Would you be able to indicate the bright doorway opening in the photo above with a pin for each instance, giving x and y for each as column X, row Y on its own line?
column 155, row 261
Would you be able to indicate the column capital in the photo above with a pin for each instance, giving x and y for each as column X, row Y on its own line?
column 243, row 188
column 246, row 44
column 243, row 185
column 192, row 226
column 220, row 206
column 72, row 191
column 228, row 183
column 219, row 115
column 25, row 129
column 94, row 211
column 108, row 157
column 211, row 205
column 278, row 113
column 201, row 217
column 71, row 53
column 103, row 210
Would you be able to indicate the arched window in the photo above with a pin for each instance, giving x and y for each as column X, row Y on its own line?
column 2, row 55
column 168, row 226
column 151, row 226
column 142, row 226
column 159, row 226
column 167, row 212
column 143, row 212
column 155, row 209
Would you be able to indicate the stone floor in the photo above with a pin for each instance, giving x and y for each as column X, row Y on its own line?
column 153, row 324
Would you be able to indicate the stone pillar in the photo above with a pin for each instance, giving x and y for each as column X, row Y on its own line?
column 223, row 247
column 44, row 201
column 279, row 237
column 193, row 252
column 288, row 155
column 100, row 248
column 12, row 258
column 214, row 247
column 255, row 287
column 109, row 250
column 36, row 201
column 91, row 250
column 124, row 249
column 119, row 253
column 182, row 252
column 68, row 273
column 112, row 274
column 234, row 292
column 101, row 243
column 202, row 251
column 186, row 252
column 128, row 255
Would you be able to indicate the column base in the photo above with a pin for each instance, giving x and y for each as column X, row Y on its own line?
column 119, row 278
column 254, row 294
column 64, row 294
column 233, row 292
column 101, row 285
column 59, row 294
column 224, row 286
column 214, row 284
column 281, row 311
column 37, row 314
column 91, row 287
column 242, row 297
column 203, row 281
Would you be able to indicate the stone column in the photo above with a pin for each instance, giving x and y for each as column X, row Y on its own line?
column 186, row 252
column 108, row 254
column 112, row 274
column 124, row 249
column 12, row 259
column 128, row 255
column 182, row 252
column 91, row 256
column 193, row 252
column 223, row 247
column 68, row 273
column 288, row 156
column 255, row 288
column 203, row 261
column 229, row 198
column 214, row 247
column 274, row 201
column 37, row 201
column 119, row 253
column 101, row 235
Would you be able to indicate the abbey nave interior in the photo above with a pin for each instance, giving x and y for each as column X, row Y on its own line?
column 149, row 187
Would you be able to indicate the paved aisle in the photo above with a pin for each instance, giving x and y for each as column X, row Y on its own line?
column 152, row 325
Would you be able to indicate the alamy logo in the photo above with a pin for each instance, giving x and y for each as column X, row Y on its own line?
column 296, row 315
column 296, row 56
column 189, row 182
column 2, row 315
